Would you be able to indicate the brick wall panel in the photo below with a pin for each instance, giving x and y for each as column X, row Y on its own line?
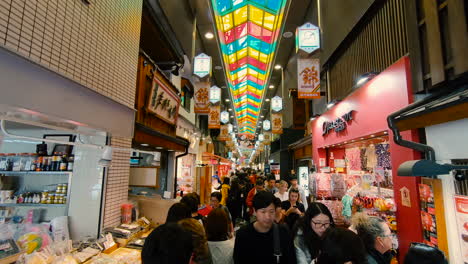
column 95, row 45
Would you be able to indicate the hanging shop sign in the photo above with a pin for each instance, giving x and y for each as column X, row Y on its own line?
column 308, row 38
column 224, row 117
column 201, row 98
column 276, row 104
column 338, row 124
column 308, row 78
column 213, row 117
column 267, row 138
column 230, row 128
column 266, row 125
column 223, row 134
column 163, row 102
column 261, row 137
column 215, row 94
column 202, row 65
column 246, row 141
column 277, row 121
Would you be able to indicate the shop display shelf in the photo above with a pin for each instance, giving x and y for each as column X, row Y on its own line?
column 13, row 173
column 31, row 205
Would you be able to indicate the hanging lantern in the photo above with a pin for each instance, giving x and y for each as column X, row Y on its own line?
column 261, row 137
column 215, row 94
column 266, row 125
column 230, row 128
column 224, row 117
column 276, row 104
column 202, row 65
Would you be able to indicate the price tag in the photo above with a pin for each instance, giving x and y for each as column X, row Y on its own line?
column 145, row 220
column 109, row 241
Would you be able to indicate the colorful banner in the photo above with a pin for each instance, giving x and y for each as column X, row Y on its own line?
column 308, row 78
column 213, row 117
column 224, row 134
column 201, row 98
column 277, row 123
column 163, row 102
column 246, row 141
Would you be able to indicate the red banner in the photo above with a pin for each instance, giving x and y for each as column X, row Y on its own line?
column 308, row 79
column 223, row 135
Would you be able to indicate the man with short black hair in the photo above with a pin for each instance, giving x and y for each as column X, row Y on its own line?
column 259, row 186
column 270, row 184
column 260, row 236
column 295, row 185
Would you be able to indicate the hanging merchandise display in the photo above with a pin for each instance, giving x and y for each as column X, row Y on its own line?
column 201, row 98
column 213, row 117
column 215, row 94
column 202, row 65
column 308, row 78
column 277, row 121
column 307, row 38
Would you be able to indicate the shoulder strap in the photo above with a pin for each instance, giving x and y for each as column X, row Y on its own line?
column 276, row 243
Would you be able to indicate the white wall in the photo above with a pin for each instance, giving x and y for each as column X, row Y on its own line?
column 450, row 141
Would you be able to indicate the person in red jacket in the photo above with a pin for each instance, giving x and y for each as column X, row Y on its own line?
column 259, row 186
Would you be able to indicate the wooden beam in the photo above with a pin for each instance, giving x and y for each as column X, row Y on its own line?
column 458, row 35
column 434, row 44
column 448, row 114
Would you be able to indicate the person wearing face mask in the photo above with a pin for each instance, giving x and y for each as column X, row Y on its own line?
column 309, row 232
column 377, row 237
column 255, row 242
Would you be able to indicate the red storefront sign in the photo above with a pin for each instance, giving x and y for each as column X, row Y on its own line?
column 370, row 105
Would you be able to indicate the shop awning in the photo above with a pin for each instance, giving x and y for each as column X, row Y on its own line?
column 146, row 135
column 32, row 92
column 207, row 157
column 304, row 142
column 437, row 109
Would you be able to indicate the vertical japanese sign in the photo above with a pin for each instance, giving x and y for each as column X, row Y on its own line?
column 428, row 214
column 224, row 134
column 201, row 97
column 461, row 211
column 215, row 94
column 202, row 65
column 213, row 117
column 277, row 123
column 266, row 138
column 307, row 38
column 308, row 78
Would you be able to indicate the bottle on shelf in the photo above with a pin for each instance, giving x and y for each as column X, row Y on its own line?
column 64, row 163
column 71, row 163
column 39, row 163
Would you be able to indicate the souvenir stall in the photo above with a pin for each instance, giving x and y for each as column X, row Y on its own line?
column 357, row 158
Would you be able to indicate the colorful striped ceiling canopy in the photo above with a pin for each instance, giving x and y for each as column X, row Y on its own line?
column 248, row 31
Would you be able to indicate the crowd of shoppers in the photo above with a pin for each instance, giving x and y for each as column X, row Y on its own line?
column 270, row 229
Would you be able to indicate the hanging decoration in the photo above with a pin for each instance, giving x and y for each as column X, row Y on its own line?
column 230, row 128
column 248, row 31
column 201, row 98
column 223, row 134
column 215, row 94
column 202, row 65
column 277, row 123
column 224, row 117
column 307, row 38
column 308, row 78
column 213, row 117
column 261, row 137
column 276, row 104
column 267, row 138
column 266, row 125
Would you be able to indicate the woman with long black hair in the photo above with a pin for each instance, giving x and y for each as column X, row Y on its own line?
column 310, row 231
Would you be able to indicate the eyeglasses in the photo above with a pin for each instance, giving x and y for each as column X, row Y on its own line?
column 319, row 225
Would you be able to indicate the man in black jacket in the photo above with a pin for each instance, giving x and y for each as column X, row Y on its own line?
column 255, row 242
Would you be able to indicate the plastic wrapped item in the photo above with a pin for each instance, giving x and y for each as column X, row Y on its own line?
column 59, row 227
column 338, row 185
column 103, row 259
column 65, row 259
column 8, row 246
column 32, row 238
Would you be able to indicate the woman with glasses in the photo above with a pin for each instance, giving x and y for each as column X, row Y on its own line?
column 309, row 232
